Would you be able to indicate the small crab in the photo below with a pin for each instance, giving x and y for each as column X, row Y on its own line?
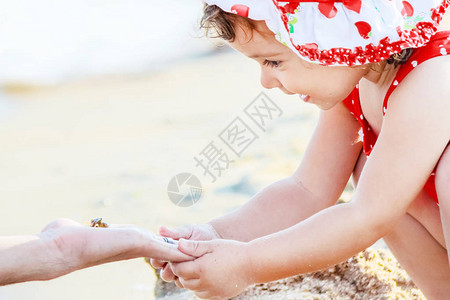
column 97, row 222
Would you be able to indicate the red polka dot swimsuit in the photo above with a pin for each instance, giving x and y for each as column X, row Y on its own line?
column 438, row 45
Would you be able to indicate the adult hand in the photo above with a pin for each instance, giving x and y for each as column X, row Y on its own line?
column 65, row 246
column 82, row 246
column 222, row 269
column 195, row 232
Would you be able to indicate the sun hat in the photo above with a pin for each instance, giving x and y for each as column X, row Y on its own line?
column 345, row 32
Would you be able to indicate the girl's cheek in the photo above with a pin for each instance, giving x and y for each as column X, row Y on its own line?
column 298, row 85
column 290, row 86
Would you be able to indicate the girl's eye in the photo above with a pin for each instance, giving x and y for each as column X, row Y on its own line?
column 272, row 63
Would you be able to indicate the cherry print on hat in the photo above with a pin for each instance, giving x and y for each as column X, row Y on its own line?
column 407, row 10
column 329, row 10
column 240, row 9
column 364, row 29
column 346, row 32
column 311, row 45
column 291, row 7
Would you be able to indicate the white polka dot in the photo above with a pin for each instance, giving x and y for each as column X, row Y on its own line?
column 371, row 146
column 361, row 134
column 357, row 86
column 361, row 117
column 384, row 109
column 353, row 102
column 395, row 82
column 443, row 51
column 414, row 63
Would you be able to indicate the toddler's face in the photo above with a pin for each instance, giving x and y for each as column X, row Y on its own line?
column 282, row 68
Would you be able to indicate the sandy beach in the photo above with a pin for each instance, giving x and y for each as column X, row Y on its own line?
column 109, row 146
column 77, row 144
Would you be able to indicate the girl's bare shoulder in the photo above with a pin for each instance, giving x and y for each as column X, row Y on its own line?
column 431, row 77
column 427, row 89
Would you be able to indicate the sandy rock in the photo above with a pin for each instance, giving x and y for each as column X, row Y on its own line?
column 372, row 274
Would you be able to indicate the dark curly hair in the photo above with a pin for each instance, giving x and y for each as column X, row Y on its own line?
column 221, row 24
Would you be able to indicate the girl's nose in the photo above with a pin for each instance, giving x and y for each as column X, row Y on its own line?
column 268, row 81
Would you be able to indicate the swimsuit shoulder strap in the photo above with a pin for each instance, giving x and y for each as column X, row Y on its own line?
column 438, row 45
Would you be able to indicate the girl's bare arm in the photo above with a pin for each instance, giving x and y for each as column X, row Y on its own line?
column 415, row 132
column 316, row 184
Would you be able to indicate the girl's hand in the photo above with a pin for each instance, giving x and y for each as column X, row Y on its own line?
column 222, row 269
column 195, row 232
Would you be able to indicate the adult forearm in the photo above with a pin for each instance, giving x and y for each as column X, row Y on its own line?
column 65, row 246
column 323, row 240
column 60, row 251
column 25, row 258
column 278, row 206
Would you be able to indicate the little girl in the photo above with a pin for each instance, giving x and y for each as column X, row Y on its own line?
column 379, row 72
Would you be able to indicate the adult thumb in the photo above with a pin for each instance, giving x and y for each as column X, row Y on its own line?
column 194, row 248
column 176, row 233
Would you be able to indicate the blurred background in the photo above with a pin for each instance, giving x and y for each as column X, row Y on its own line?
column 101, row 104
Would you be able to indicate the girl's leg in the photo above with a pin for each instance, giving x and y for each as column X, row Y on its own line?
column 443, row 192
column 416, row 249
column 423, row 258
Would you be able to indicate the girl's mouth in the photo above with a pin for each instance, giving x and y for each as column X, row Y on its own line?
column 305, row 98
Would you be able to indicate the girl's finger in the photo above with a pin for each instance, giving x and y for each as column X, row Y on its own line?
column 185, row 270
column 178, row 283
column 203, row 295
column 157, row 264
column 191, row 284
column 167, row 274
column 158, row 249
